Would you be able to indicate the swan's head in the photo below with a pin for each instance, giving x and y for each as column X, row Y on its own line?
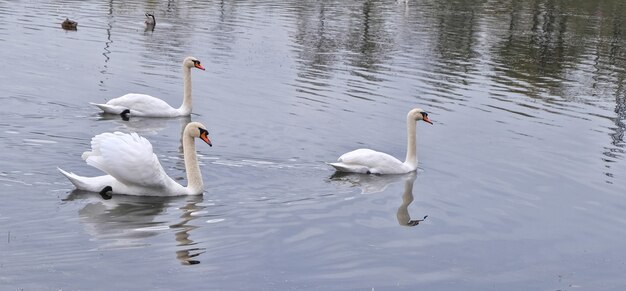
column 419, row 114
column 197, row 129
column 191, row 62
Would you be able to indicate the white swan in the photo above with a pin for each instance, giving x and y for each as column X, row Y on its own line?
column 146, row 105
column 132, row 168
column 373, row 162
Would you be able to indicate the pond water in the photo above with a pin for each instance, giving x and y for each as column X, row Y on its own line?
column 522, row 176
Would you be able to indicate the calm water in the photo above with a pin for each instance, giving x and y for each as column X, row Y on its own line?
column 522, row 175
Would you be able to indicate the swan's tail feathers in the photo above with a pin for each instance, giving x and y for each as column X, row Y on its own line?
column 341, row 167
column 78, row 181
column 110, row 109
column 93, row 184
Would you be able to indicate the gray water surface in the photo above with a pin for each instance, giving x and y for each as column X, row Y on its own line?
column 522, row 175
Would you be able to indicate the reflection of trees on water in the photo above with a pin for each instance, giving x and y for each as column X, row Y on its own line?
column 325, row 37
column 534, row 49
column 221, row 26
column 609, row 74
column 547, row 38
column 617, row 150
column 547, row 46
column 616, row 56
column 318, row 41
column 454, row 42
column 322, row 31
column 369, row 40
column 456, row 25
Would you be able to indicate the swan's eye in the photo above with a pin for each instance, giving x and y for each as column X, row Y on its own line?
column 425, row 117
column 204, row 135
column 196, row 64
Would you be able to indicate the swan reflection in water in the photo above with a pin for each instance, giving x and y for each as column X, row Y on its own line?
column 127, row 221
column 145, row 125
column 148, row 125
column 370, row 184
column 407, row 198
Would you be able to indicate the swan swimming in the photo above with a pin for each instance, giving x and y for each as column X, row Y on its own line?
column 148, row 106
column 132, row 168
column 369, row 161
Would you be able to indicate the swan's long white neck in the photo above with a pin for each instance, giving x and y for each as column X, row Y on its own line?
column 194, row 177
column 411, row 135
column 185, row 108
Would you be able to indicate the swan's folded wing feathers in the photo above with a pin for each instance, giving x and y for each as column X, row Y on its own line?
column 142, row 104
column 128, row 158
column 366, row 157
column 376, row 162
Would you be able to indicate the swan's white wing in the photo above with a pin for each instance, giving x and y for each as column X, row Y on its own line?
column 128, row 158
column 373, row 161
column 367, row 157
column 142, row 105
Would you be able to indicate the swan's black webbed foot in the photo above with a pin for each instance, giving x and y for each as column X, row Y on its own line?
column 125, row 114
column 104, row 193
column 416, row 222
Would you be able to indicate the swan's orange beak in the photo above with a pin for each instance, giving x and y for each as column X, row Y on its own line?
column 426, row 119
column 199, row 66
column 205, row 138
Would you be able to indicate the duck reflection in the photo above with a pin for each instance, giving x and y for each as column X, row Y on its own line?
column 127, row 221
column 370, row 184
